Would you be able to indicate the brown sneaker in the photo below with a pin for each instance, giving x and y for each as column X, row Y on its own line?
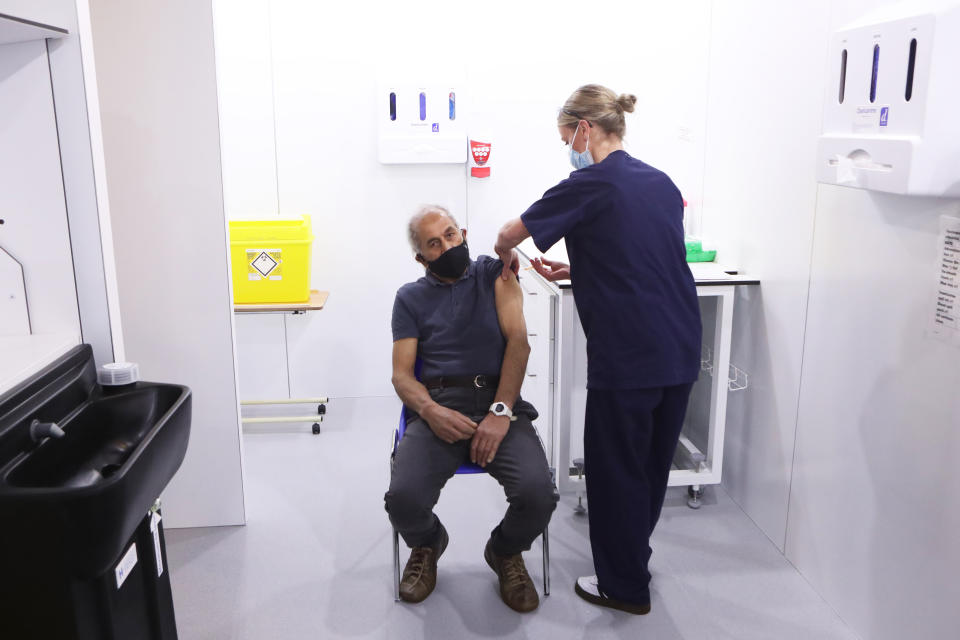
column 420, row 575
column 516, row 587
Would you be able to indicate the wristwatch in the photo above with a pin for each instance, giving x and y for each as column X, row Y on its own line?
column 501, row 409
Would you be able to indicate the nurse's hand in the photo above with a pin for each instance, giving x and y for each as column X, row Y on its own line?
column 449, row 425
column 552, row 270
column 511, row 262
column 487, row 439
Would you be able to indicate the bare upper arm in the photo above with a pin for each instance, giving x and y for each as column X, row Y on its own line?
column 509, row 298
column 404, row 357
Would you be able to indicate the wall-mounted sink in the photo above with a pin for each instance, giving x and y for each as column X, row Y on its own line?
column 100, row 438
column 77, row 499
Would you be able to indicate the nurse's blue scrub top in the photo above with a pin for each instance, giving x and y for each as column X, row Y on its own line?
column 623, row 225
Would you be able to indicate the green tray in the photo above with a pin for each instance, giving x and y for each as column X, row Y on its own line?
column 701, row 256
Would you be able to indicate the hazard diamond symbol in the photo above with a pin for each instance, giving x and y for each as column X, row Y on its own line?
column 264, row 264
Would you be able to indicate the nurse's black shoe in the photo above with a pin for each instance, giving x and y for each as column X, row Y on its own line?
column 587, row 588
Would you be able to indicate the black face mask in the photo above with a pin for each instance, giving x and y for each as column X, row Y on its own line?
column 452, row 262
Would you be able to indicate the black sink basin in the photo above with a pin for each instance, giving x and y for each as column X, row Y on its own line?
column 78, row 499
column 100, row 438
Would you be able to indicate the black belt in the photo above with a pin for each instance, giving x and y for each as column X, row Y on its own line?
column 470, row 382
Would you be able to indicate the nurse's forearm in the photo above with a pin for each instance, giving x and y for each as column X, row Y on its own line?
column 511, row 372
column 511, row 234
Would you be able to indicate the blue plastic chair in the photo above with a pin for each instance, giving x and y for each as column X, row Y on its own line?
column 464, row 469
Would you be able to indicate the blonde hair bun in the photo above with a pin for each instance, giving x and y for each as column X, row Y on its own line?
column 597, row 105
column 626, row 102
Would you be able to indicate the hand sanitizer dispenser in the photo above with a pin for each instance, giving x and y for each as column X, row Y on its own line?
column 890, row 119
column 420, row 124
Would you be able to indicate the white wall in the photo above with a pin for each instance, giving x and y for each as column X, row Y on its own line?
column 245, row 94
column 81, row 160
column 157, row 85
column 864, row 498
column 32, row 204
column 305, row 75
column 875, row 504
column 54, row 149
column 764, row 117
column 58, row 13
column 538, row 56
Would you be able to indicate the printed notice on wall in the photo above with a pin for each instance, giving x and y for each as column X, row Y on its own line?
column 945, row 324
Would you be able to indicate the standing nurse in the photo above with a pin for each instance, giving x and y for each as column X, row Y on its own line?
column 622, row 221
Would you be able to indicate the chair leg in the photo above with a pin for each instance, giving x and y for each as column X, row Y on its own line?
column 546, row 561
column 396, row 566
column 396, row 536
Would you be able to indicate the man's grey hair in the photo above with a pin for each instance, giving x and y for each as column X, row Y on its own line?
column 413, row 229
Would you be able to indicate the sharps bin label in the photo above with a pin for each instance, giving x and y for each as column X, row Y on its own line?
column 264, row 263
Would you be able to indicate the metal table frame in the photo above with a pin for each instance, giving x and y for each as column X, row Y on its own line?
column 316, row 302
column 571, row 346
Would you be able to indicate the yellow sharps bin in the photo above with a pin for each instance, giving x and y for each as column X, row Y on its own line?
column 270, row 260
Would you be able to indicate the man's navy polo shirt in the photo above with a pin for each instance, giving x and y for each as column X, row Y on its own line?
column 456, row 325
column 623, row 225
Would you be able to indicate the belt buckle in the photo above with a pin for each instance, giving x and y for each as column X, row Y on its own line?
column 480, row 381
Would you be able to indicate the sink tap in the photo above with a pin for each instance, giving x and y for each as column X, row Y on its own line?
column 40, row 430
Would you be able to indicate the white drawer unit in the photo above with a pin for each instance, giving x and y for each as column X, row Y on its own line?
column 539, row 310
column 537, row 305
column 536, row 383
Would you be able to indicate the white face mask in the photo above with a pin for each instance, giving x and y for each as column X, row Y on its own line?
column 580, row 160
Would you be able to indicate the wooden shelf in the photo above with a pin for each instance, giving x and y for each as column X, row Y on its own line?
column 14, row 29
column 315, row 303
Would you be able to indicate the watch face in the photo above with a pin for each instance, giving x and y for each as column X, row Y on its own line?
column 499, row 407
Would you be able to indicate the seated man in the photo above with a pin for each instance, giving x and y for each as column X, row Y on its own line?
column 466, row 325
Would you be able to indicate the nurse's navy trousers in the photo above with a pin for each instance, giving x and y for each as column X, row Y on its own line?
column 630, row 436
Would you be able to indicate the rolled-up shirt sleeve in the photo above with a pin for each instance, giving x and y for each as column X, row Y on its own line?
column 489, row 268
column 403, row 323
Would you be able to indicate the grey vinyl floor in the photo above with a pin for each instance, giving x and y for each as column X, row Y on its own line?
column 315, row 558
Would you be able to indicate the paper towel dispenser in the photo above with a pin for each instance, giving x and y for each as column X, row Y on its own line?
column 890, row 118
